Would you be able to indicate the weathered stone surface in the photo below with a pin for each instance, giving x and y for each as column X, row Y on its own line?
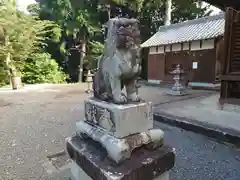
column 78, row 174
column 143, row 165
column 120, row 149
column 119, row 120
column 120, row 64
column 177, row 92
column 164, row 176
column 178, row 89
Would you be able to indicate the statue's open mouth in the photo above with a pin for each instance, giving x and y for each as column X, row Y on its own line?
column 128, row 32
column 128, row 29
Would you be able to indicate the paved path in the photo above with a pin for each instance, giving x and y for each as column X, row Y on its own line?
column 203, row 112
column 34, row 124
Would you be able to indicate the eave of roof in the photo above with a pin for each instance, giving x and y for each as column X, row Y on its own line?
column 222, row 4
column 202, row 28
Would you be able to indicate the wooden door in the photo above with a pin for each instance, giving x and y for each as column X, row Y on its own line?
column 230, row 79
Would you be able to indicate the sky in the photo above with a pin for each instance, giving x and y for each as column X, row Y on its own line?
column 215, row 10
column 22, row 5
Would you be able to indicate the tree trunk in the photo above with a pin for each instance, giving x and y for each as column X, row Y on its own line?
column 168, row 12
column 82, row 55
column 108, row 8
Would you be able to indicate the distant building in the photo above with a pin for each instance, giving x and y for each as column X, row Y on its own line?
column 192, row 44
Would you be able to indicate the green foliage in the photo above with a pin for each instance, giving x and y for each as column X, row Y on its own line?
column 8, row 4
column 152, row 16
column 78, row 24
column 24, row 34
column 95, row 51
column 188, row 9
column 137, row 5
column 4, row 78
column 41, row 68
column 74, row 21
column 34, row 9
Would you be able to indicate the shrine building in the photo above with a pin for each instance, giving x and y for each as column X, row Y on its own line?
column 192, row 44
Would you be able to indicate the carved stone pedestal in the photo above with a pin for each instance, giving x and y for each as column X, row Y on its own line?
column 119, row 120
column 120, row 149
column 92, row 163
column 119, row 128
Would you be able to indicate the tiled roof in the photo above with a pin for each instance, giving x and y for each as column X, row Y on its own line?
column 202, row 28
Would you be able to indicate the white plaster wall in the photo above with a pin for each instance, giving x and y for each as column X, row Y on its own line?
column 168, row 48
column 195, row 45
column 176, row 47
column 153, row 50
column 208, row 44
column 186, row 46
column 160, row 50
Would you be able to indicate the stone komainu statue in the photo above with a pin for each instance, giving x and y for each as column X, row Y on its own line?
column 120, row 63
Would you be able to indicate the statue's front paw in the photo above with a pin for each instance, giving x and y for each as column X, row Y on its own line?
column 120, row 99
column 134, row 97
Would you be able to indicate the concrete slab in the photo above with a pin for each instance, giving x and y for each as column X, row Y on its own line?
column 201, row 113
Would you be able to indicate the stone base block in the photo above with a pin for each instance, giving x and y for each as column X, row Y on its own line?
column 164, row 176
column 79, row 174
column 176, row 93
column 119, row 120
column 120, row 149
column 92, row 163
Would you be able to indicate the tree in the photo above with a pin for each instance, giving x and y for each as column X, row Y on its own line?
column 151, row 13
column 94, row 52
column 23, row 35
column 41, row 68
column 8, row 5
column 78, row 23
column 34, row 9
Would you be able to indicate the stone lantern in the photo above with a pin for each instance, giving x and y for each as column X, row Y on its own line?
column 89, row 80
column 178, row 89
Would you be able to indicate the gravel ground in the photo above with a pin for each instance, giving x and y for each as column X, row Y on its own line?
column 34, row 124
column 200, row 158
